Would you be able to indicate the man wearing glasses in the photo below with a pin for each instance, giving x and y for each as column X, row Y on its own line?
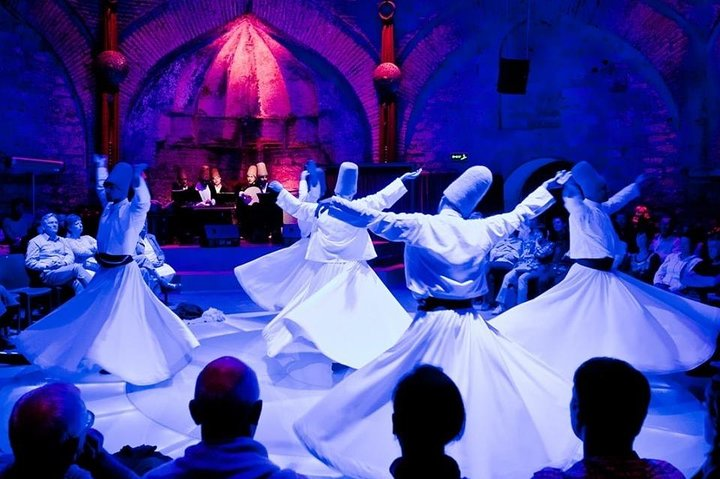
column 51, row 437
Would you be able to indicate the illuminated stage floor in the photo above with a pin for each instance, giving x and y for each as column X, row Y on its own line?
column 290, row 383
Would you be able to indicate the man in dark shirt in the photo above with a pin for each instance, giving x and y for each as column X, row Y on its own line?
column 609, row 404
column 51, row 438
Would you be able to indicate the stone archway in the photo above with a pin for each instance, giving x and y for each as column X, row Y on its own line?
column 524, row 178
column 241, row 96
column 170, row 31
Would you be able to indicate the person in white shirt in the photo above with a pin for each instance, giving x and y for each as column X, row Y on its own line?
column 150, row 257
column 203, row 187
column 598, row 311
column 274, row 279
column 344, row 309
column 669, row 274
column 116, row 323
column 516, row 407
column 52, row 259
column 84, row 247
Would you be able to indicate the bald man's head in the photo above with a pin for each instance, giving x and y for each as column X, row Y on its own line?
column 49, row 420
column 227, row 398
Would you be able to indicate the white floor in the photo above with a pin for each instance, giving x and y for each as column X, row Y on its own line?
column 290, row 384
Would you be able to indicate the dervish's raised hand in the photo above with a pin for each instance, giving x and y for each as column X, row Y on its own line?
column 411, row 175
column 276, row 186
column 557, row 181
column 643, row 178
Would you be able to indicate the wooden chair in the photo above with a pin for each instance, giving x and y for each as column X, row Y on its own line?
column 14, row 277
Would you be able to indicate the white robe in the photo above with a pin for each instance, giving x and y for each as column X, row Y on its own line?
column 344, row 309
column 607, row 313
column 272, row 280
column 116, row 323
column 517, row 408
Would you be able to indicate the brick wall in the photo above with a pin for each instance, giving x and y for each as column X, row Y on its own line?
column 630, row 85
column 40, row 117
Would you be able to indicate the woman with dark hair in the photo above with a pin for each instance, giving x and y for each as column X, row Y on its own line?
column 428, row 413
column 643, row 263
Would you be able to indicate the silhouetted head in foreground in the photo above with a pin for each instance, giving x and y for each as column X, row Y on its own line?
column 227, row 401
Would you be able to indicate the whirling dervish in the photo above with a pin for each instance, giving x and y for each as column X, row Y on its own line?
column 517, row 408
column 272, row 280
column 344, row 309
column 598, row 311
column 116, row 323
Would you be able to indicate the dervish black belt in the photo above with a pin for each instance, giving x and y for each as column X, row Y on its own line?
column 438, row 304
column 113, row 260
column 601, row 264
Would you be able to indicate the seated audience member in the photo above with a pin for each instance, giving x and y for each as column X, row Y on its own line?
column 560, row 262
column 51, row 438
column 704, row 277
column 227, row 408
column 84, row 247
column 609, row 404
column 665, row 241
column 501, row 259
column 535, row 256
column 428, row 413
column 624, row 229
column 151, row 260
column 710, row 469
column 644, row 263
column 17, row 226
column 52, row 259
column 674, row 266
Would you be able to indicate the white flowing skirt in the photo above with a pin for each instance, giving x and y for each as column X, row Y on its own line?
column 345, row 310
column 274, row 279
column 116, row 323
column 597, row 313
column 517, row 409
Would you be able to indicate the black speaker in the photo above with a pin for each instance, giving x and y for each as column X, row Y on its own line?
column 221, row 235
column 513, row 76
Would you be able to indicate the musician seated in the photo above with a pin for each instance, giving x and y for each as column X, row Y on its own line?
column 261, row 219
column 203, row 187
column 182, row 193
column 219, row 191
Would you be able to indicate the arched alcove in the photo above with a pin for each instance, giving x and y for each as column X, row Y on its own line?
column 529, row 176
column 242, row 95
